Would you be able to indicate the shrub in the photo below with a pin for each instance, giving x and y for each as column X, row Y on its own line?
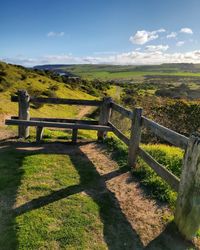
column 2, row 73
column 54, row 87
column 4, row 85
column 49, row 93
column 23, row 77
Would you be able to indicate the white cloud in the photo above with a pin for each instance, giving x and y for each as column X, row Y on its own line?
column 180, row 43
column 55, row 34
column 159, row 31
column 143, row 36
column 153, row 48
column 105, row 53
column 186, row 31
column 128, row 58
column 172, row 35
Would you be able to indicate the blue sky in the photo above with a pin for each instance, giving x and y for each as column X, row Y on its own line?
column 99, row 31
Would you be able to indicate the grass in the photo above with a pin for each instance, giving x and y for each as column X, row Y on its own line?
column 66, row 135
column 64, row 223
column 169, row 156
column 110, row 72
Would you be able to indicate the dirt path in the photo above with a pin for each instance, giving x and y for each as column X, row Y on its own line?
column 5, row 131
column 147, row 217
column 84, row 111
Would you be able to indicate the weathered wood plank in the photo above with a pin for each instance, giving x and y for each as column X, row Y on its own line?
column 187, row 214
column 122, row 110
column 61, row 101
column 14, row 98
column 135, row 137
column 119, row 134
column 58, row 125
column 60, row 120
column 23, row 112
column 164, row 173
column 39, row 133
column 104, row 116
column 74, row 135
column 165, row 133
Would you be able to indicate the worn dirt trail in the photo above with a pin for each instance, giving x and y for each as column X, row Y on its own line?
column 5, row 131
column 145, row 215
column 84, row 111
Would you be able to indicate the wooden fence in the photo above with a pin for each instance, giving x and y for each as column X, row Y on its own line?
column 187, row 214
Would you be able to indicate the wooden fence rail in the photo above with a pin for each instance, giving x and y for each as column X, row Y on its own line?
column 127, row 113
column 170, row 178
column 23, row 121
column 165, row 133
column 61, row 101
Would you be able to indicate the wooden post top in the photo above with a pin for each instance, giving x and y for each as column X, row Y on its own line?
column 23, row 94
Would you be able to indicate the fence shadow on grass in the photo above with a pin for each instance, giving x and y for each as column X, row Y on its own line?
column 10, row 179
column 118, row 232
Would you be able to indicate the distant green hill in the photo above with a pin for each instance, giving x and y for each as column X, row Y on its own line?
column 13, row 78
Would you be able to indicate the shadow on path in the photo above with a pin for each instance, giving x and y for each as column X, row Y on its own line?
column 118, row 232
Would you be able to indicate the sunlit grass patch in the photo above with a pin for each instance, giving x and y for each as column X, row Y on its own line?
column 68, row 222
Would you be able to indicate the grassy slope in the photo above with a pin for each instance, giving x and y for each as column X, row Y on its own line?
column 36, row 83
column 22, row 180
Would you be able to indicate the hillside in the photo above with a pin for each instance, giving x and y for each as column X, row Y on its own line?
column 60, row 195
column 13, row 77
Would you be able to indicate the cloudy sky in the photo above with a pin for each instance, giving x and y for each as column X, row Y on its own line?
column 99, row 31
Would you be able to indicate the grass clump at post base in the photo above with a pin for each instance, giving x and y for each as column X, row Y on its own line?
column 169, row 156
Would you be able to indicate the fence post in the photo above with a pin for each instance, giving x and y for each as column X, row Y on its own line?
column 23, row 101
column 74, row 135
column 104, row 116
column 135, row 137
column 39, row 133
column 187, row 214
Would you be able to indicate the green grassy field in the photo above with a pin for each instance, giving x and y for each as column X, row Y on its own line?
column 112, row 72
column 135, row 75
